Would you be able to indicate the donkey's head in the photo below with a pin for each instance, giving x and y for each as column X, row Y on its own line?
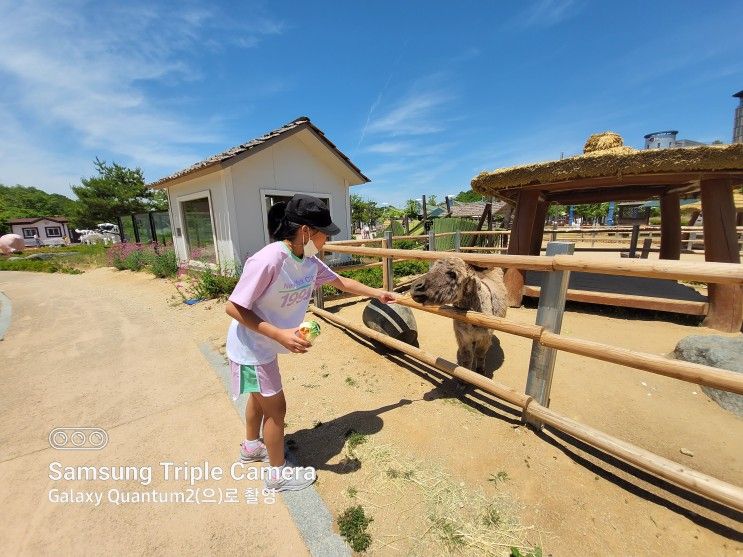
column 448, row 281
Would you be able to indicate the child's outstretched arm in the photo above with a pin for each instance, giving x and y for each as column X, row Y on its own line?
column 355, row 287
column 287, row 338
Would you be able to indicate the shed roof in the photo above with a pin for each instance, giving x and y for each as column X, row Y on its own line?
column 255, row 145
column 475, row 209
column 31, row 220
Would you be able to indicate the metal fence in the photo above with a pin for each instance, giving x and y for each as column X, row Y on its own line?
column 145, row 228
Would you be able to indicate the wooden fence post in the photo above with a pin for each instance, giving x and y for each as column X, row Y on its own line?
column 633, row 241
column 458, row 240
column 319, row 300
column 549, row 315
column 387, row 277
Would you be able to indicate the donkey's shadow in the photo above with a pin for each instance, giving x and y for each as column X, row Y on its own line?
column 318, row 445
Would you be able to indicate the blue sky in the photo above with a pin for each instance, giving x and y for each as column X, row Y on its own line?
column 422, row 95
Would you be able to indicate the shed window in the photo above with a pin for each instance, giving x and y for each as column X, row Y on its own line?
column 53, row 232
column 28, row 233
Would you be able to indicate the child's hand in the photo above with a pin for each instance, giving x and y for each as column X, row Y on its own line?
column 387, row 297
column 289, row 339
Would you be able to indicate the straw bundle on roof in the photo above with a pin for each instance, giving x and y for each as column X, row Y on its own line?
column 616, row 161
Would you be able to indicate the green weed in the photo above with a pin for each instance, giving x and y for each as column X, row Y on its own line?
column 352, row 525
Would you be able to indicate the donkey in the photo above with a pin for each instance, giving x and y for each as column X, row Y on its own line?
column 466, row 287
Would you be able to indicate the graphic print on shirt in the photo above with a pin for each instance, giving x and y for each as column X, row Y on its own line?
column 296, row 291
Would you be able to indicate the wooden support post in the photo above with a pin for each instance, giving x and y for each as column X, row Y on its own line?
column 537, row 232
column 554, row 232
column 406, row 224
column 319, row 299
column 425, row 211
column 549, row 316
column 519, row 243
column 646, row 248
column 387, row 278
column 458, row 240
column 670, row 226
column 431, row 243
column 721, row 245
column 633, row 241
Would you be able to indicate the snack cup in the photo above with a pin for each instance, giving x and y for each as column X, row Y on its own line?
column 309, row 330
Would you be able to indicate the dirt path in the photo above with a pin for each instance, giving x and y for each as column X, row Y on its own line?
column 419, row 436
column 90, row 351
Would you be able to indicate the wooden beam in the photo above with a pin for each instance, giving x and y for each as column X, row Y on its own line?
column 721, row 245
column 670, row 225
column 617, row 193
column 629, row 301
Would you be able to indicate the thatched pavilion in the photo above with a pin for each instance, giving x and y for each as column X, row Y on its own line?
column 610, row 171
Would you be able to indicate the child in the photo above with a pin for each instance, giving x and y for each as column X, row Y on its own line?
column 267, row 307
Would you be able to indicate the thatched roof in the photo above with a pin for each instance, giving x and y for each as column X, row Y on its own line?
column 254, row 145
column 475, row 209
column 616, row 161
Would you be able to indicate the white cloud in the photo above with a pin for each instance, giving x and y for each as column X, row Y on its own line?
column 414, row 115
column 88, row 69
column 547, row 13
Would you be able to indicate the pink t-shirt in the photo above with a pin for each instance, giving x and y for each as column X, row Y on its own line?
column 276, row 285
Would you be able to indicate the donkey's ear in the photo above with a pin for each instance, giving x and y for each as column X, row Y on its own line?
column 478, row 268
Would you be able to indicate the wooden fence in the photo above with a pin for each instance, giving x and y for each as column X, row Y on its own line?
column 547, row 340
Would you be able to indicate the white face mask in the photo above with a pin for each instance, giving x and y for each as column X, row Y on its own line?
column 310, row 249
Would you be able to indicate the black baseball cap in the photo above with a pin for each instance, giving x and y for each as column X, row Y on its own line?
column 305, row 209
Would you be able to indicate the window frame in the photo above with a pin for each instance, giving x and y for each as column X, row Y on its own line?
column 192, row 197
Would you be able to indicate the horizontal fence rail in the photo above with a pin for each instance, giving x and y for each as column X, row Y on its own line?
column 719, row 273
column 697, row 482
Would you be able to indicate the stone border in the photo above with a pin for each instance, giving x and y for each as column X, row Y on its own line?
column 311, row 516
column 5, row 313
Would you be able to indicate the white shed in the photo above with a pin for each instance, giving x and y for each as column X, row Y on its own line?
column 49, row 230
column 218, row 206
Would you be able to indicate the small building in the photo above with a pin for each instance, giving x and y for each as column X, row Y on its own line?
column 219, row 206
column 49, row 230
column 630, row 213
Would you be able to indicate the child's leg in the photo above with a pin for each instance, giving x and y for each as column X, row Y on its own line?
column 274, row 412
column 253, row 418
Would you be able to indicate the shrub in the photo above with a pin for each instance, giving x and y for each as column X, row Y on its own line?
column 129, row 256
column 352, row 525
column 164, row 264
column 210, row 284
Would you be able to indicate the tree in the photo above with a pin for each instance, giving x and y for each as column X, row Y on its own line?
column 468, row 196
column 24, row 201
column 411, row 208
column 431, row 199
column 593, row 211
column 117, row 190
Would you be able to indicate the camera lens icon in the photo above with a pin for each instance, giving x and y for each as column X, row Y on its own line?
column 78, row 438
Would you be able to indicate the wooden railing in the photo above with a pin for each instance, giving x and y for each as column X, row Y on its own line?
column 546, row 340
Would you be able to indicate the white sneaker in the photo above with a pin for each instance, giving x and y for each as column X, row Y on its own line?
column 259, row 454
column 290, row 478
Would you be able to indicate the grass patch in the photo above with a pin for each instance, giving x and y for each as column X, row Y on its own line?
column 501, row 477
column 442, row 514
column 353, row 440
column 351, row 382
column 352, row 492
column 38, row 266
column 352, row 525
